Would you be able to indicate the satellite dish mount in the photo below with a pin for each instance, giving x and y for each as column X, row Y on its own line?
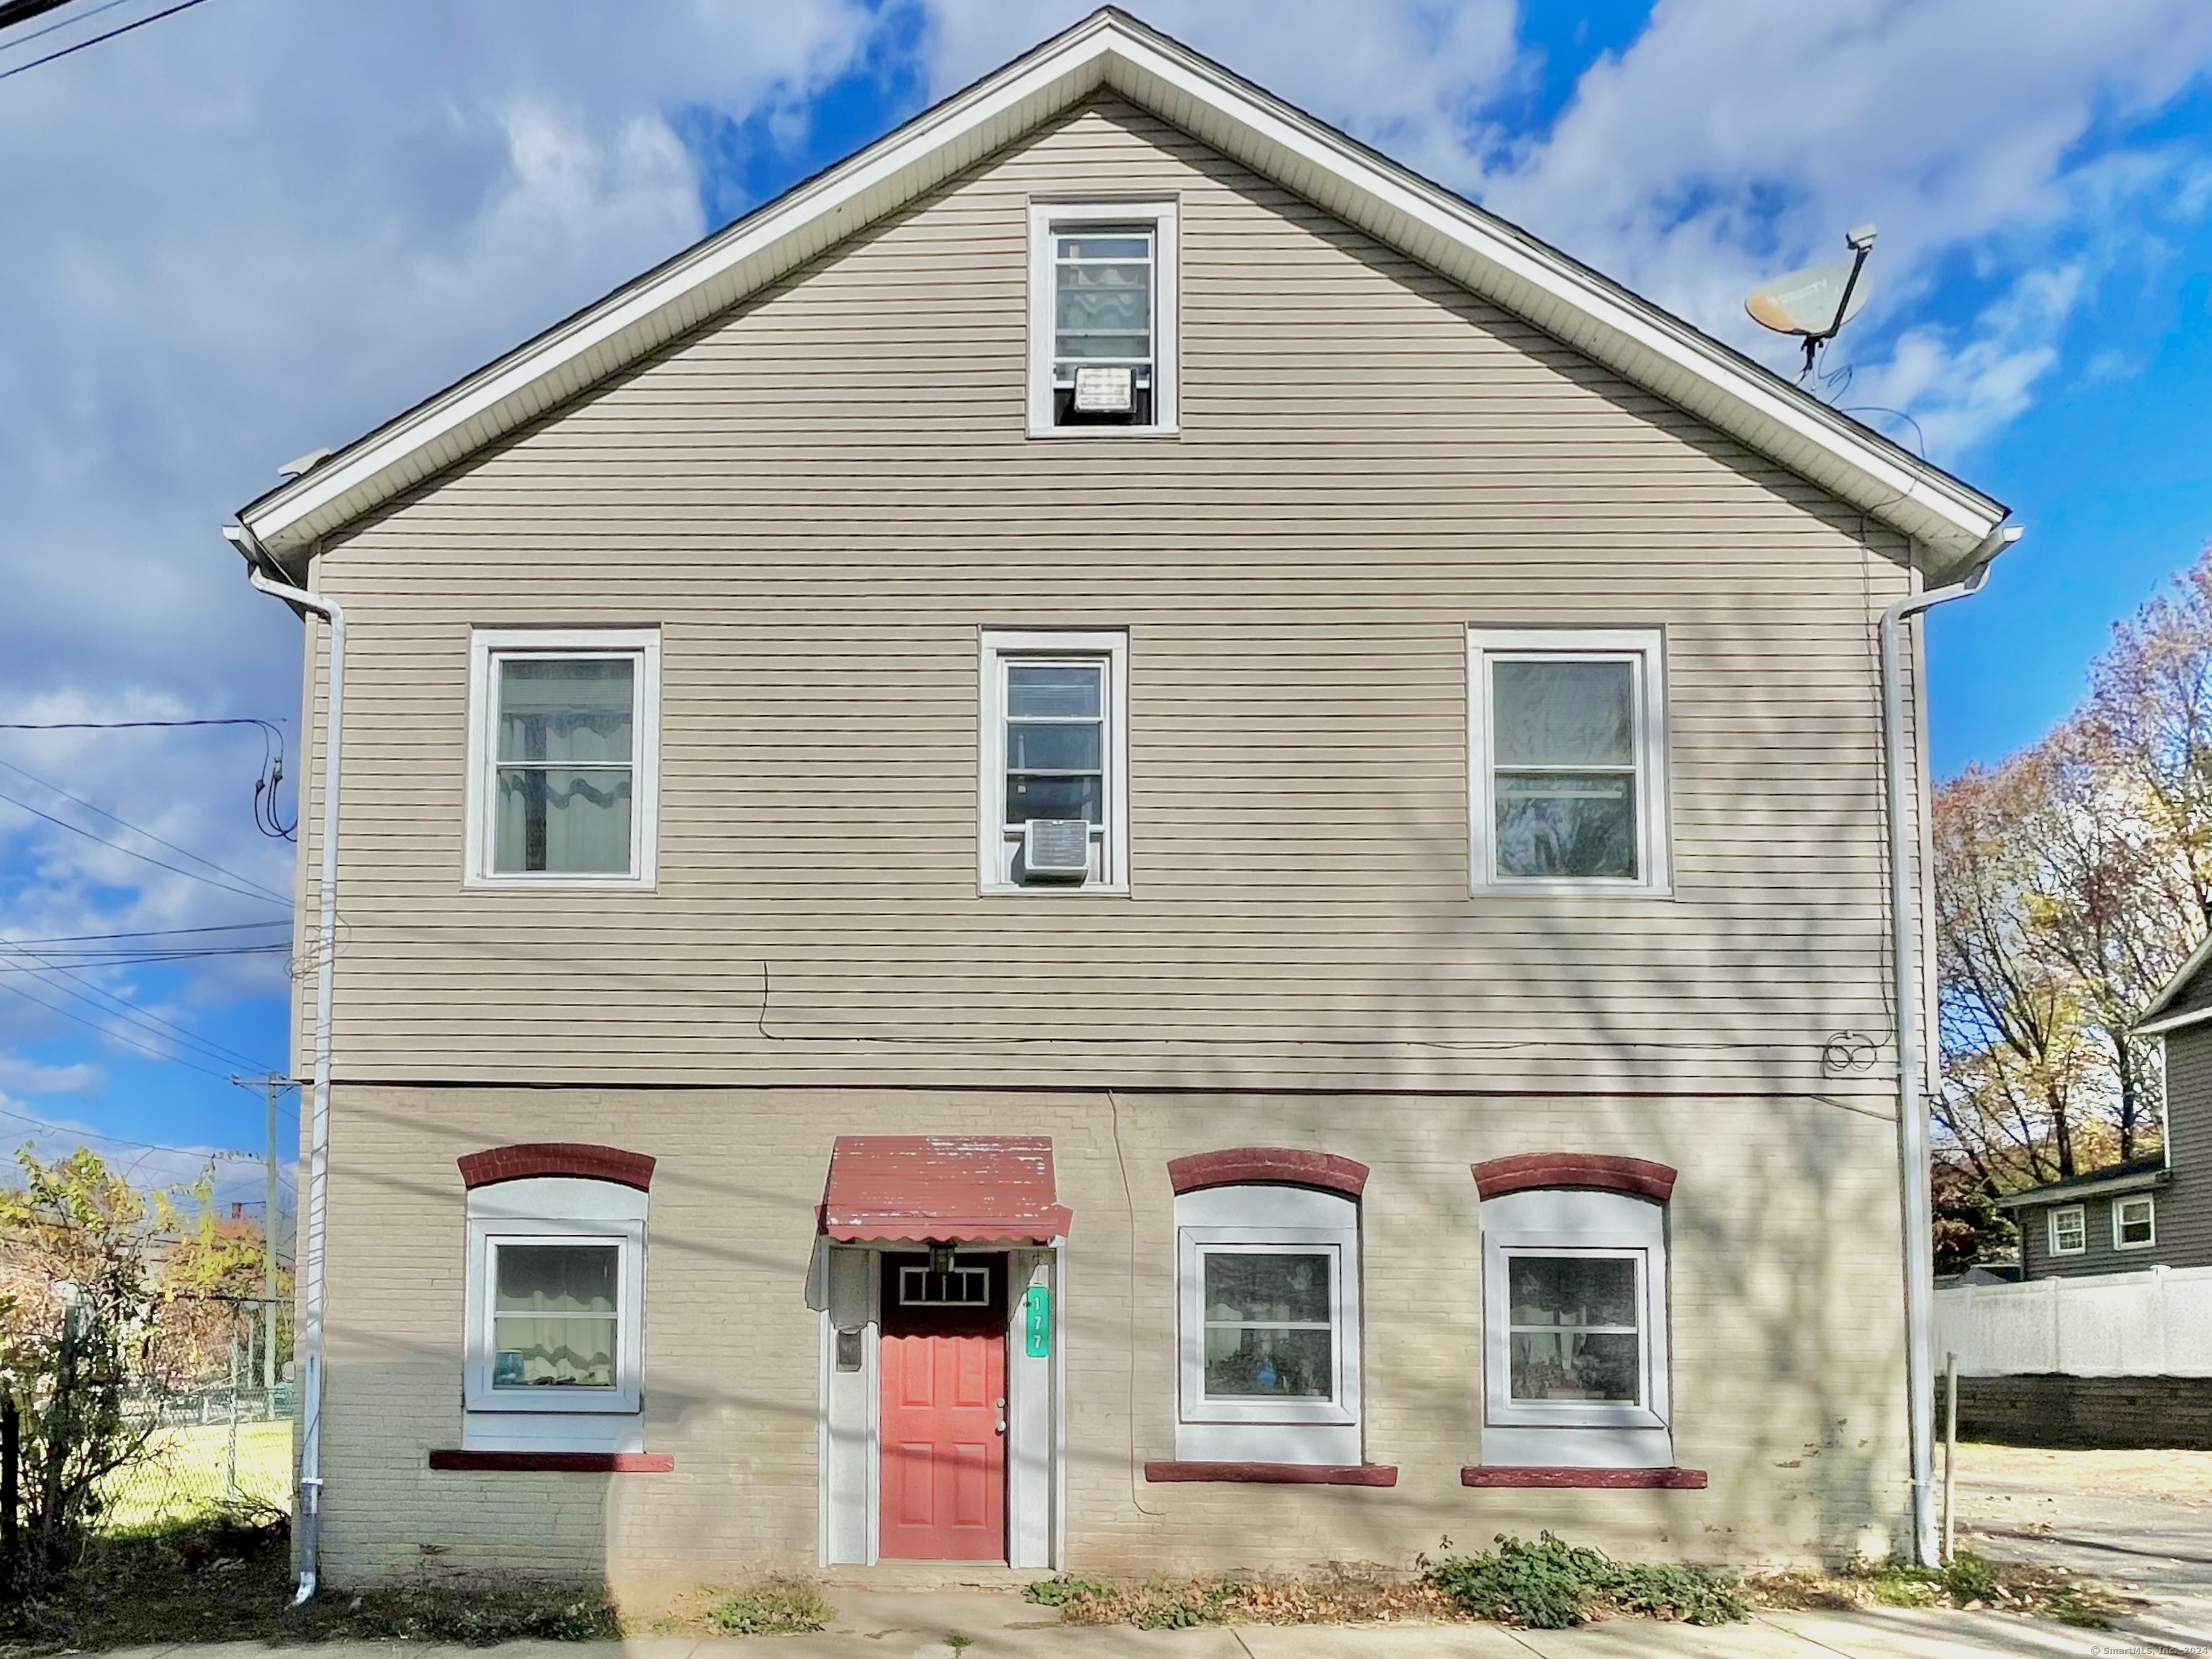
column 1816, row 302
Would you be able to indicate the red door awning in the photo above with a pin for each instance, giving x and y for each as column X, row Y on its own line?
column 955, row 1188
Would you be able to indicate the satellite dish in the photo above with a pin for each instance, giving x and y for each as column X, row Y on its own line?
column 1817, row 302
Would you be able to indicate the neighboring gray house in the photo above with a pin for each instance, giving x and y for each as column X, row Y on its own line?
column 2151, row 1210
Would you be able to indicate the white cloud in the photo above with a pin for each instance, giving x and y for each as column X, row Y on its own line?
column 236, row 234
column 1734, row 139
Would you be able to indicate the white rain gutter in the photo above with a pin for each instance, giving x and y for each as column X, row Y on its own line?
column 258, row 565
column 1912, row 1158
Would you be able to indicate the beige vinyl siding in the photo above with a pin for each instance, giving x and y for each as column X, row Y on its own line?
column 823, row 497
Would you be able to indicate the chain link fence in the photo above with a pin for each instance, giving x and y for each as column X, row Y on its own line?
column 211, row 1446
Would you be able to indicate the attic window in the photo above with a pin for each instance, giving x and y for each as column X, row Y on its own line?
column 1102, row 325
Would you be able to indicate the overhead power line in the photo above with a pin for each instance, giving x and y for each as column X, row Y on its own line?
column 250, row 889
column 155, row 18
column 22, row 11
column 115, row 1035
column 211, row 1153
column 104, row 1001
column 153, row 933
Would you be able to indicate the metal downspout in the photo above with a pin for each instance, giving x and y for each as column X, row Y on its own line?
column 258, row 561
column 1912, row 1156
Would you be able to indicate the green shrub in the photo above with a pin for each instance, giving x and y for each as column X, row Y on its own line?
column 778, row 1608
column 1059, row 1592
column 1551, row 1585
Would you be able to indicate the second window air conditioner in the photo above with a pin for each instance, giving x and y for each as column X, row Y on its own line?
column 1056, row 849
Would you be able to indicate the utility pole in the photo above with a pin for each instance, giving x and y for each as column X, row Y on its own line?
column 269, row 1255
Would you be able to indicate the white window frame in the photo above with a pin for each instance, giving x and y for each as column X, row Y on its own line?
column 1110, row 839
column 2150, row 1214
column 2079, row 1213
column 1271, row 1218
column 488, row 646
column 1050, row 219
column 1572, row 1222
column 566, row 1211
column 1645, row 649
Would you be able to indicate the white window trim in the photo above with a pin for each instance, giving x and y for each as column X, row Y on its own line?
column 1646, row 648
column 642, row 644
column 2081, row 1213
column 569, row 1211
column 1572, row 1222
column 1046, row 219
column 998, row 644
column 1193, row 1244
column 2150, row 1205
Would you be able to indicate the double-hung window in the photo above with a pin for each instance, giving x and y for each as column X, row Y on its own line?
column 1054, row 787
column 564, row 749
column 2070, row 1230
column 1575, row 1329
column 1567, row 760
column 2135, row 1223
column 1102, row 318
column 556, row 1290
column 1270, row 1325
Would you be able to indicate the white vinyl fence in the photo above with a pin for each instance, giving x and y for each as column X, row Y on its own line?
column 2155, row 1323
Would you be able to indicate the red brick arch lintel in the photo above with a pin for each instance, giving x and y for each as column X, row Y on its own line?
column 557, row 1157
column 1639, row 1178
column 1276, row 1166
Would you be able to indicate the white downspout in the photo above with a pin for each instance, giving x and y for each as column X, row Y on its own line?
column 319, row 1138
column 1912, row 1157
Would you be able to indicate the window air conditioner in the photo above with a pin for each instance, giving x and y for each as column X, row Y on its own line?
column 1105, row 391
column 1056, row 849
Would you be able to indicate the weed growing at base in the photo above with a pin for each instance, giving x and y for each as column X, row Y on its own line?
column 1551, row 1585
column 781, row 1607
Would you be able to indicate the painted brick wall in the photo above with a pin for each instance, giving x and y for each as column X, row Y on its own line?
column 1787, row 1373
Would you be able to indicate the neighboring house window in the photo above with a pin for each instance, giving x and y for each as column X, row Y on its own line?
column 2070, row 1230
column 563, row 752
column 1567, row 737
column 1054, row 747
column 1269, row 1314
column 2135, row 1223
column 1575, row 1329
column 555, row 1287
column 1102, row 318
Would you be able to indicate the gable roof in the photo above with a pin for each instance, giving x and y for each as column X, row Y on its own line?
column 1110, row 49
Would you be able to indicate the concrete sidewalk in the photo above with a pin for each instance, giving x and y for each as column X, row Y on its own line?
column 878, row 1624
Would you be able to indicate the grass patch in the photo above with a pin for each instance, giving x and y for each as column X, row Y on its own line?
column 778, row 1606
column 186, row 1477
column 1551, row 1585
column 1970, row 1582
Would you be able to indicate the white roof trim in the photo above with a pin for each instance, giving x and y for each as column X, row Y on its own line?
column 2150, row 1022
column 1492, row 259
column 2086, row 1187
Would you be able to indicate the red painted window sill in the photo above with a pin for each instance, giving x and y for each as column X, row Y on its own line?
column 1524, row 1475
column 1278, row 1474
column 553, row 1462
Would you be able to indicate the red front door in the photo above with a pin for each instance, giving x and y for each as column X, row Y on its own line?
column 944, row 1448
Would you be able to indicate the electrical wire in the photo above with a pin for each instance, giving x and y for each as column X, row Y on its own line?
column 182, row 5
column 211, row 1153
column 150, row 957
column 152, row 932
column 115, row 1035
column 66, row 22
column 253, row 889
column 122, row 1008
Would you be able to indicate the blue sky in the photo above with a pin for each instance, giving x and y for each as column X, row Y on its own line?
column 262, row 226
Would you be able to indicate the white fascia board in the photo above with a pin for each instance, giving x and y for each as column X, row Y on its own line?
column 695, row 285
column 2150, row 1022
column 1486, row 255
column 2173, row 1021
column 1574, row 304
column 2036, row 1198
